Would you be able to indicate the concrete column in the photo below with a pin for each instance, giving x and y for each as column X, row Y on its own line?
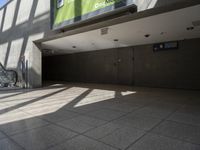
column 34, row 67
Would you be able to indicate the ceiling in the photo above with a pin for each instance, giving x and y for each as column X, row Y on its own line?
column 163, row 27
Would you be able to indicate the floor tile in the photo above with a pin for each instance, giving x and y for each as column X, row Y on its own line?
column 6, row 144
column 180, row 131
column 124, row 107
column 106, row 114
column 156, row 142
column 190, row 110
column 41, row 111
column 138, row 99
column 95, row 122
column 187, row 114
column 102, row 131
column 22, row 125
column 13, row 116
column 83, row 109
column 42, row 138
column 140, row 122
column 122, row 137
column 59, row 116
column 158, row 110
column 82, row 143
column 185, row 118
column 79, row 124
column 2, row 135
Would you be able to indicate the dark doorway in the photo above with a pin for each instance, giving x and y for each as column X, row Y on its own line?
column 111, row 66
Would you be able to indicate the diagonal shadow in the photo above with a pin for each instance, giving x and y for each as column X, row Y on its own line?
column 78, row 99
column 13, row 24
column 26, row 36
column 3, row 19
column 4, row 97
column 16, row 94
column 6, row 110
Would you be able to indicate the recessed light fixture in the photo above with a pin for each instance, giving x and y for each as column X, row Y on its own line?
column 147, row 35
column 116, row 40
column 162, row 33
column 190, row 28
column 73, row 46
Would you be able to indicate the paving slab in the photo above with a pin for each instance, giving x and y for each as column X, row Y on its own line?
column 102, row 131
column 156, row 142
column 22, row 125
column 122, row 137
column 137, row 121
column 6, row 144
column 42, row 138
column 189, row 133
column 106, row 114
column 82, row 143
column 2, row 135
column 81, row 124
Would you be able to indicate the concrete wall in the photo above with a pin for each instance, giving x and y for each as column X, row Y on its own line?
column 24, row 21
column 177, row 68
column 173, row 68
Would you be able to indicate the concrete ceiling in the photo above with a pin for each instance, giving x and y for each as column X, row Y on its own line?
column 163, row 27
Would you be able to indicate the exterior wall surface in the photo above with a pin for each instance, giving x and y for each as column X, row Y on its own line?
column 24, row 21
column 178, row 68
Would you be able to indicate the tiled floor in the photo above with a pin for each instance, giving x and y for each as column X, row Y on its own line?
column 99, row 117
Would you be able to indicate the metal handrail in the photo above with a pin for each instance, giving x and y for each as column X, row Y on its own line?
column 7, row 77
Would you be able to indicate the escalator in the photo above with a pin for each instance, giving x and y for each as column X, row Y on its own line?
column 8, row 78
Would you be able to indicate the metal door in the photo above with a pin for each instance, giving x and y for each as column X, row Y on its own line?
column 125, row 66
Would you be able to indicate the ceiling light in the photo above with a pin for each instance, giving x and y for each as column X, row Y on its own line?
column 162, row 33
column 147, row 35
column 116, row 40
column 190, row 28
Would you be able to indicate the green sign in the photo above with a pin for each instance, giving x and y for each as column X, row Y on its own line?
column 66, row 12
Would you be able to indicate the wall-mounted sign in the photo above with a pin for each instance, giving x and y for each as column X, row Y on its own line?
column 68, row 12
column 60, row 3
column 165, row 46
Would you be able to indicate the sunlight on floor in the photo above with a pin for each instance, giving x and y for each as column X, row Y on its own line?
column 96, row 96
column 46, row 101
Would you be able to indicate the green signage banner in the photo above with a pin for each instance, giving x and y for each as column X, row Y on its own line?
column 67, row 12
